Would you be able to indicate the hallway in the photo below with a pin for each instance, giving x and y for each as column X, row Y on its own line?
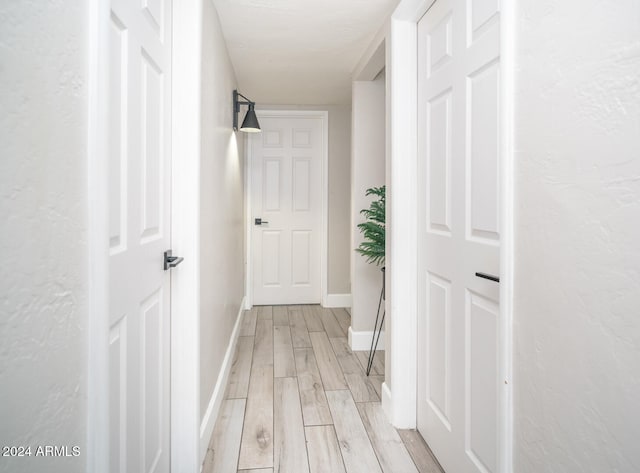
column 299, row 400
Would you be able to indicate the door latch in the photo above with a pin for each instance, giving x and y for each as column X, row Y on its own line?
column 171, row 261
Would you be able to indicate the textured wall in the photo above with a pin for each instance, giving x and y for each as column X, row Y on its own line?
column 577, row 263
column 43, row 202
column 221, row 207
column 339, row 224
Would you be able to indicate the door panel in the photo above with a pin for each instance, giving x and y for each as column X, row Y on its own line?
column 271, row 184
column 301, row 184
column 301, row 257
column 482, row 407
column 439, row 163
column 271, row 258
column 286, row 193
column 139, row 233
column 439, row 346
column 482, row 155
column 118, row 51
column 458, row 224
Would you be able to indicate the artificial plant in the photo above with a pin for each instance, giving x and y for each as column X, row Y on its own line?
column 373, row 229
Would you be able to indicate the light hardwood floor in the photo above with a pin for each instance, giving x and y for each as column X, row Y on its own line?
column 299, row 401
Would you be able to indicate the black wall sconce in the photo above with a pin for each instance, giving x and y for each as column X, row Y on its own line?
column 250, row 123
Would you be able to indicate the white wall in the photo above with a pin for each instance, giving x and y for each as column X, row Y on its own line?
column 577, row 264
column 44, row 210
column 338, row 255
column 367, row 170
column 221, row 208
column 378, row 57
column 339, row 228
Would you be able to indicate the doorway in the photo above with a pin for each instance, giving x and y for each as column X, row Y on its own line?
column 287, row 208
column 402, row 274
column 171, row 130
column 460, row 356
column 139, row 202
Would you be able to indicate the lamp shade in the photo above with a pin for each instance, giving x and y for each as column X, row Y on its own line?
column 250, row 123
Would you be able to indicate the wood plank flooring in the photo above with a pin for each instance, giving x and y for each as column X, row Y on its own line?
column 315, row 408
column 420, row 452
column 289, row 443
column 240, row 369
column 357, row 451
column 392, row 453
column 256, row 448
column 324, row 453
column 299, row 401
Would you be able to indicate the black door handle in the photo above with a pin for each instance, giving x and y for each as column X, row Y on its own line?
column 171, row 261
column 259, row 221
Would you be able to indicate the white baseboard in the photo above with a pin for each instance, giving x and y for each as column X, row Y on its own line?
column 338, row 300
column 361, row 341
column 213, row 408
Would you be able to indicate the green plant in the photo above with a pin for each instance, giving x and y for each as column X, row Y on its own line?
column 373, row 229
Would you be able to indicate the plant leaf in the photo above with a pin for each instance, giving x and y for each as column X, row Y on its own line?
column 373, row 229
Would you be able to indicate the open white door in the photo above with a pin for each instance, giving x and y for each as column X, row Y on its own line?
column 459, row 161
column 139, row 233
column 286, row 170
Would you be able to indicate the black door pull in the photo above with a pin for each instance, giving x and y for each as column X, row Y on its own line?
column 488, row 276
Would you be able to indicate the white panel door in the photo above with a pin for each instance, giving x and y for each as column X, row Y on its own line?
column 139, row 232
column 458, row 222
column 286, row 194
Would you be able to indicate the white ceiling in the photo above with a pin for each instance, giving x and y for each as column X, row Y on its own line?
column 299, row 51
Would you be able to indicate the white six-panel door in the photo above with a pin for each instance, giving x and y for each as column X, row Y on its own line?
column 139, row 232
column 458, row 120
column 286, row 191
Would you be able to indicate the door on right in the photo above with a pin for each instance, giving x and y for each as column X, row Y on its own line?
column 459, row 404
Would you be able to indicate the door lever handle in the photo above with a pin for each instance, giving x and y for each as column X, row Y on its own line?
column 171, row 261
column 259, row 221
column 488, row 276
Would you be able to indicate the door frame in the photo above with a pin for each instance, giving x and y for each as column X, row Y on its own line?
column 185, row 330
column 98, row 241
column 324, row 241
column 400, row 400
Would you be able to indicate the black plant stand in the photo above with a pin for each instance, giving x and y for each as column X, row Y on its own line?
column 377, row 329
